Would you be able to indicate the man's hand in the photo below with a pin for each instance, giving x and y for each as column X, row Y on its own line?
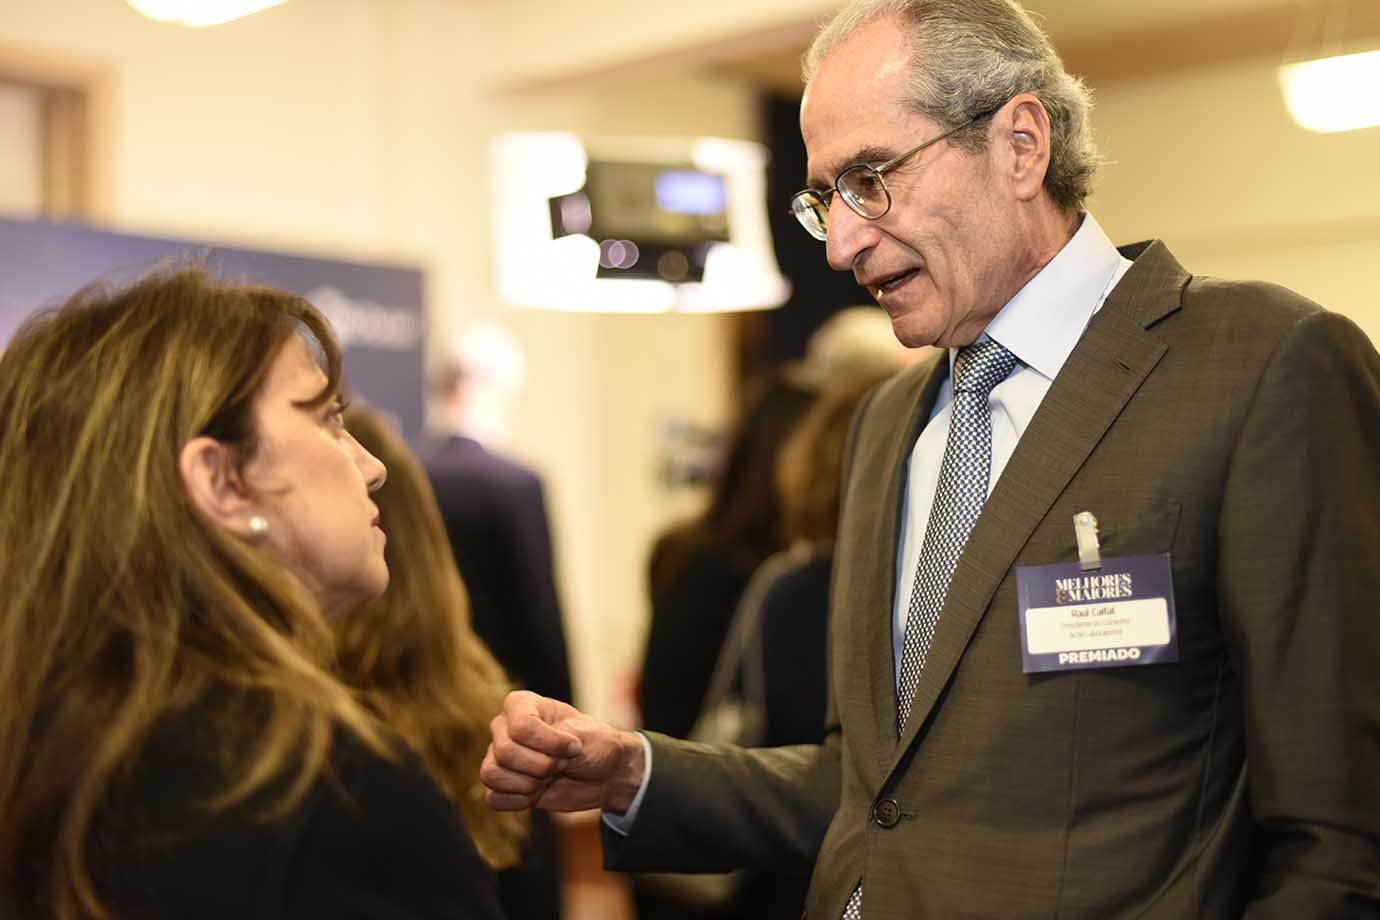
column 548, row 754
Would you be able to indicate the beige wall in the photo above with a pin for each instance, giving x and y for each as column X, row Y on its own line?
column 359, row 128
column 1209, row 161
column 21, row 150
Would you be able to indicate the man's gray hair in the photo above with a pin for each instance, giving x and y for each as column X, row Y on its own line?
column 969, row 57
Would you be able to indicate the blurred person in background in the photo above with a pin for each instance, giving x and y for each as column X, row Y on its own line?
column 795, row 600
column 493, row 509
column 184, row 517
column 413, row 659
column 697, row 572
column 699, row 567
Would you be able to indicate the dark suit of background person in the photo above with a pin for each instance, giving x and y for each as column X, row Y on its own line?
column 795, row 629
column 1233, row 425
column 494, row 511
column 495, row 515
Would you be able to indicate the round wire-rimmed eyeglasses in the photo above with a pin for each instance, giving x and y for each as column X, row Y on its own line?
column 861, row 186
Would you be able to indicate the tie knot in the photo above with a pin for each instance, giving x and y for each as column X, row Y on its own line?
column 979, row 368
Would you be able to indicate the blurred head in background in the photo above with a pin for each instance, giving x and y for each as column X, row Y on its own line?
column 742, row 519
column 744, row 511
column 475, row 384
column 850, row 354
column 411, row 654
column 855, row 342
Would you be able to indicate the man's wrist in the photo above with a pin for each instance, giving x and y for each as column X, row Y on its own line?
column 630, row 774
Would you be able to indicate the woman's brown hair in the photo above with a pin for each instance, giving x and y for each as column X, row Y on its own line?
column 743, row 515
column 123, row 604
column 809, row 472
column 411, row 654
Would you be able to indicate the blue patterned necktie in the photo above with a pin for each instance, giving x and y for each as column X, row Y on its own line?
column 964, row 475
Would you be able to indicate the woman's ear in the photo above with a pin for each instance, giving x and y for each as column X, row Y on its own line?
column 215, row 486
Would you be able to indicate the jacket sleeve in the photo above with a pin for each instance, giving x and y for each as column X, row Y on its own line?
column 1299, row 587
column 714, row 808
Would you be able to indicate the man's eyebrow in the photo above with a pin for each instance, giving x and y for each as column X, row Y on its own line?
column 871, row 154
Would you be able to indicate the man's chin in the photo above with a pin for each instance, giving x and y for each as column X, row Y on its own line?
column 913, row 332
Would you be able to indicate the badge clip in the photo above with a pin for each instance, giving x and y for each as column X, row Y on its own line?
column 1085, row 531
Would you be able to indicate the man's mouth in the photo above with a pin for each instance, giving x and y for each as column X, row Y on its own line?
column 892, row 282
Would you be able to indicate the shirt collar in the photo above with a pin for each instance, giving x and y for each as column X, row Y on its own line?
column 1042, row 323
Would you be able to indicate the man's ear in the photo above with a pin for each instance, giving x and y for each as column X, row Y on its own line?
column 1028, row 138
column 215, row 485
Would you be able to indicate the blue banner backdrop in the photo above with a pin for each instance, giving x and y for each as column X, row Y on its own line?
column 376, row 309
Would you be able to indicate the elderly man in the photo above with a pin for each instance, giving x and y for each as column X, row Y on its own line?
column 1104, row 632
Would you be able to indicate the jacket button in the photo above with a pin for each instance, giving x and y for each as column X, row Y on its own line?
column 886, row 813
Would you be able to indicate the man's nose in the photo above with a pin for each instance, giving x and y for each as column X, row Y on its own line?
column 849, row 235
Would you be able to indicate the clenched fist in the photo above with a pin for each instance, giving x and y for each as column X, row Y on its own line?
column 548, row 754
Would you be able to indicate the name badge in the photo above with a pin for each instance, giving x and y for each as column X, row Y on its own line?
column 1119, row 613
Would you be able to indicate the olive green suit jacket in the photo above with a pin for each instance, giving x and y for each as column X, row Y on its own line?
column 1234, row 426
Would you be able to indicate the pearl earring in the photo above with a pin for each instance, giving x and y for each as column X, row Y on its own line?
column 258, row 525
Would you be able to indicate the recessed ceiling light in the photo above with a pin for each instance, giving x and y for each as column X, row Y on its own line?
column 197, row 13
column 1335, row 93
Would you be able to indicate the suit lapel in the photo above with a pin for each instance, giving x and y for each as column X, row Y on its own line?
column 1105, row 368
column 878, row 637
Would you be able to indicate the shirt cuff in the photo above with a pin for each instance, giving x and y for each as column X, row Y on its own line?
column 622, row 824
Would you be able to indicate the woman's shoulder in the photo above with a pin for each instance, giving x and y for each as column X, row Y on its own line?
column 373, row 836
column 382, row 833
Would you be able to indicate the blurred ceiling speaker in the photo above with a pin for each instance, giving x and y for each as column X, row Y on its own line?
column 632, row 225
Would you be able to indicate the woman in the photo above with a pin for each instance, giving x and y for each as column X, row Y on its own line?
column 416, row 662
column 183, row 516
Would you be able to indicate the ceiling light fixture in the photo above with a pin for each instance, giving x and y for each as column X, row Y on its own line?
column 198, row 13
column 1335, row 93
column 1327, row 86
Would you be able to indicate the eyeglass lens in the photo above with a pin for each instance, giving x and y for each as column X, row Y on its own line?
column 810, row 209
column 864, row 191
